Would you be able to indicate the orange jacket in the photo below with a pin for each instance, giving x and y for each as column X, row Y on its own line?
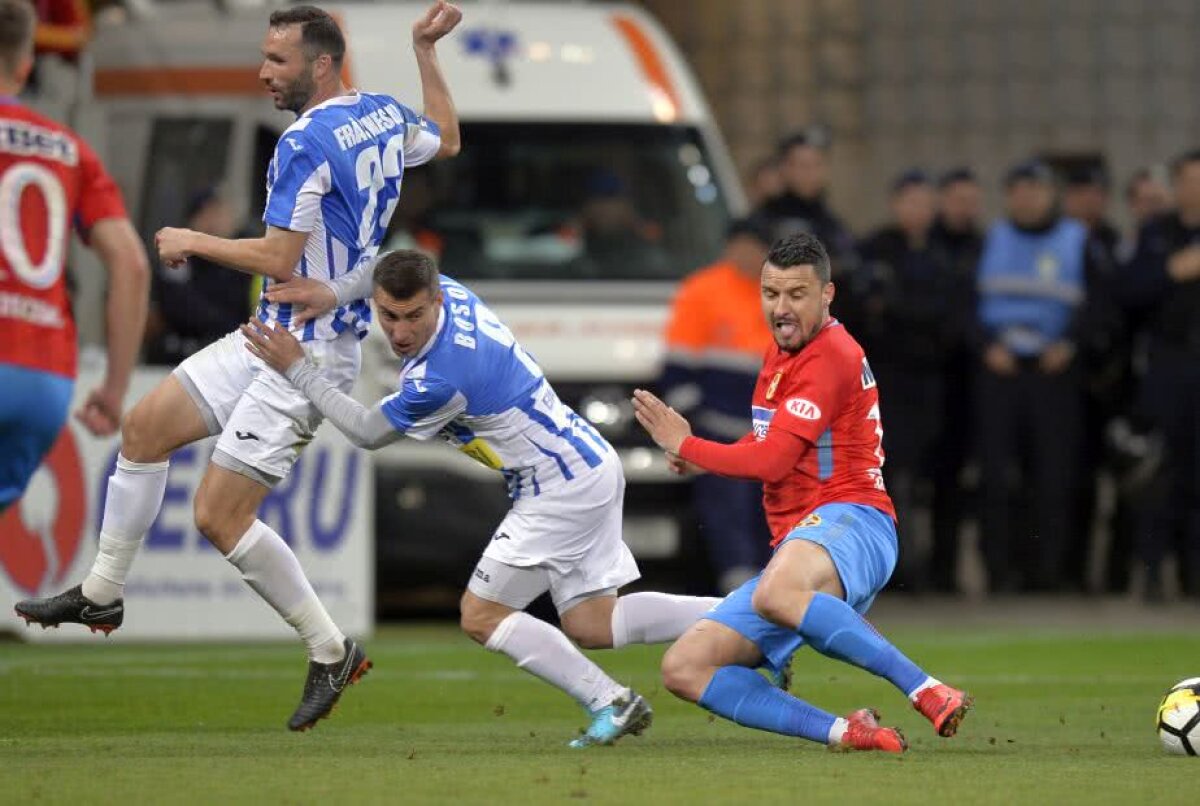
column 716, row 338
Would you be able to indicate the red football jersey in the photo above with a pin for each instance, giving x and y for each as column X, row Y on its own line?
column 50, row 181
column 825, row 394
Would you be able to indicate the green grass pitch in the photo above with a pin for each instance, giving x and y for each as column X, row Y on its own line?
column 1060, row 719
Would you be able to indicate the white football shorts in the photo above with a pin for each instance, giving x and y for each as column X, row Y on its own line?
column 566, row 540
column 263, row 420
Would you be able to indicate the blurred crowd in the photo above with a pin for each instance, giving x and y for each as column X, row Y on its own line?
column 1039, row 374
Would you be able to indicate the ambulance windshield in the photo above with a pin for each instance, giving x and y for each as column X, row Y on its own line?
column 566, row 202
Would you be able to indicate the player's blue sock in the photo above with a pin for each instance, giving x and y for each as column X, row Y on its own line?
column 747, row 698
column 835, row 629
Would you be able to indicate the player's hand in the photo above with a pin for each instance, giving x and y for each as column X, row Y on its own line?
column 173, row 246
column 274, row 345
column 680, row 466
column 311, row 297
column 438, row 21
column 101, row 411
column 1057, row 357
column 1000, row 360
column 1184, row 265
column 666, row 427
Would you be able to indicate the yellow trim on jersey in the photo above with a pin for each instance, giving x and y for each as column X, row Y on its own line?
column 481, row 452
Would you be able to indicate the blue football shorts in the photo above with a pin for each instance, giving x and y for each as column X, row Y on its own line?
column 33, row 409
column 862, row 542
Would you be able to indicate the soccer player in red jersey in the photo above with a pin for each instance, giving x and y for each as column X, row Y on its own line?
column 50, row 180
column 817, row 448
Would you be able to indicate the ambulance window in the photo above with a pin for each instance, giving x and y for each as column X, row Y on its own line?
column 601, row 201
column 187, row 156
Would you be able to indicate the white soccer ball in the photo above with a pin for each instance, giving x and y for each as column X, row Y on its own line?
column 1179, row 718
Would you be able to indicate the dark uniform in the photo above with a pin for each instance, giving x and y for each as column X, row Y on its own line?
column 908, row 299
column 959, row 251
column 198, row 303
column 1170, row 394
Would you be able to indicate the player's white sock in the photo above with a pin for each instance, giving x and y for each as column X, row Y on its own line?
column 930, row 682
column 654, row 618
column 272, row 570
column 134, row 497
column 543, row 650
column 837, row 731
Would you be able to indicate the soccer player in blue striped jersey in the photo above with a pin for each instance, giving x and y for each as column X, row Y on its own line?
column 333, row 185
column 465, row 380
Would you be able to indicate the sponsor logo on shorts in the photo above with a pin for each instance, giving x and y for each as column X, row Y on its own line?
column 245, row 435
column 812, row 519
column 482, row 576
column 502, row 536
column 804, row 409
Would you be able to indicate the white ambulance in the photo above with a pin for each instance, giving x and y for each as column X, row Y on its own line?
column 592, row 177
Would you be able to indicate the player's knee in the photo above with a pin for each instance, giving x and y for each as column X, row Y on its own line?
column 217, row 523
column 137, row 435
column 681, row 676
column 780, row 604
column 477, row 622
column 589, row 635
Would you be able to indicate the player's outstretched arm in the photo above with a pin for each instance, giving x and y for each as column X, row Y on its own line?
column 274, row 255
column 120, row 250
column 769, row 460
column 439, row 20
column 366, row 428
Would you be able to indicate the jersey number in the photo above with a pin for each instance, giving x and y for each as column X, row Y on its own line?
column 877, row 472
column 372, row 169
column 12, row 242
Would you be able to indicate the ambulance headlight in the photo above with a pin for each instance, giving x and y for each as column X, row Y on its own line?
column 609, row 410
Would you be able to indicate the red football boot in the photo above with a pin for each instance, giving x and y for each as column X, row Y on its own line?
column 945, row 707
column 864, row 733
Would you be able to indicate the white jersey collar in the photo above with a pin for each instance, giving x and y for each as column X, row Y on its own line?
column 350, row 99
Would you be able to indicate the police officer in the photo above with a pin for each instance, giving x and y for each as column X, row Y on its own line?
column 909, row 289
column 802, row 206
column 957, row 238
column 1163, row 281
column 1105, row 360
column 1032, row 284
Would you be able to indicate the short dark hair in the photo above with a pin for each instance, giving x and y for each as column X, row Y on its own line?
column 801, row 249
column 757, row 227
column 319, row 32
column 961, row 173
column 17, row 22
column 912, row 177
column 1183, row 160
column 814, row 136
column 404, row 273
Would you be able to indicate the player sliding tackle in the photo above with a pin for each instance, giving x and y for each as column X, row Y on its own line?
column 817, row 448
column 466, row 380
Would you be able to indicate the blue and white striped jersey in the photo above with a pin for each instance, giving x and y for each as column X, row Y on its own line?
column 474, row 386
column 336, row 175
